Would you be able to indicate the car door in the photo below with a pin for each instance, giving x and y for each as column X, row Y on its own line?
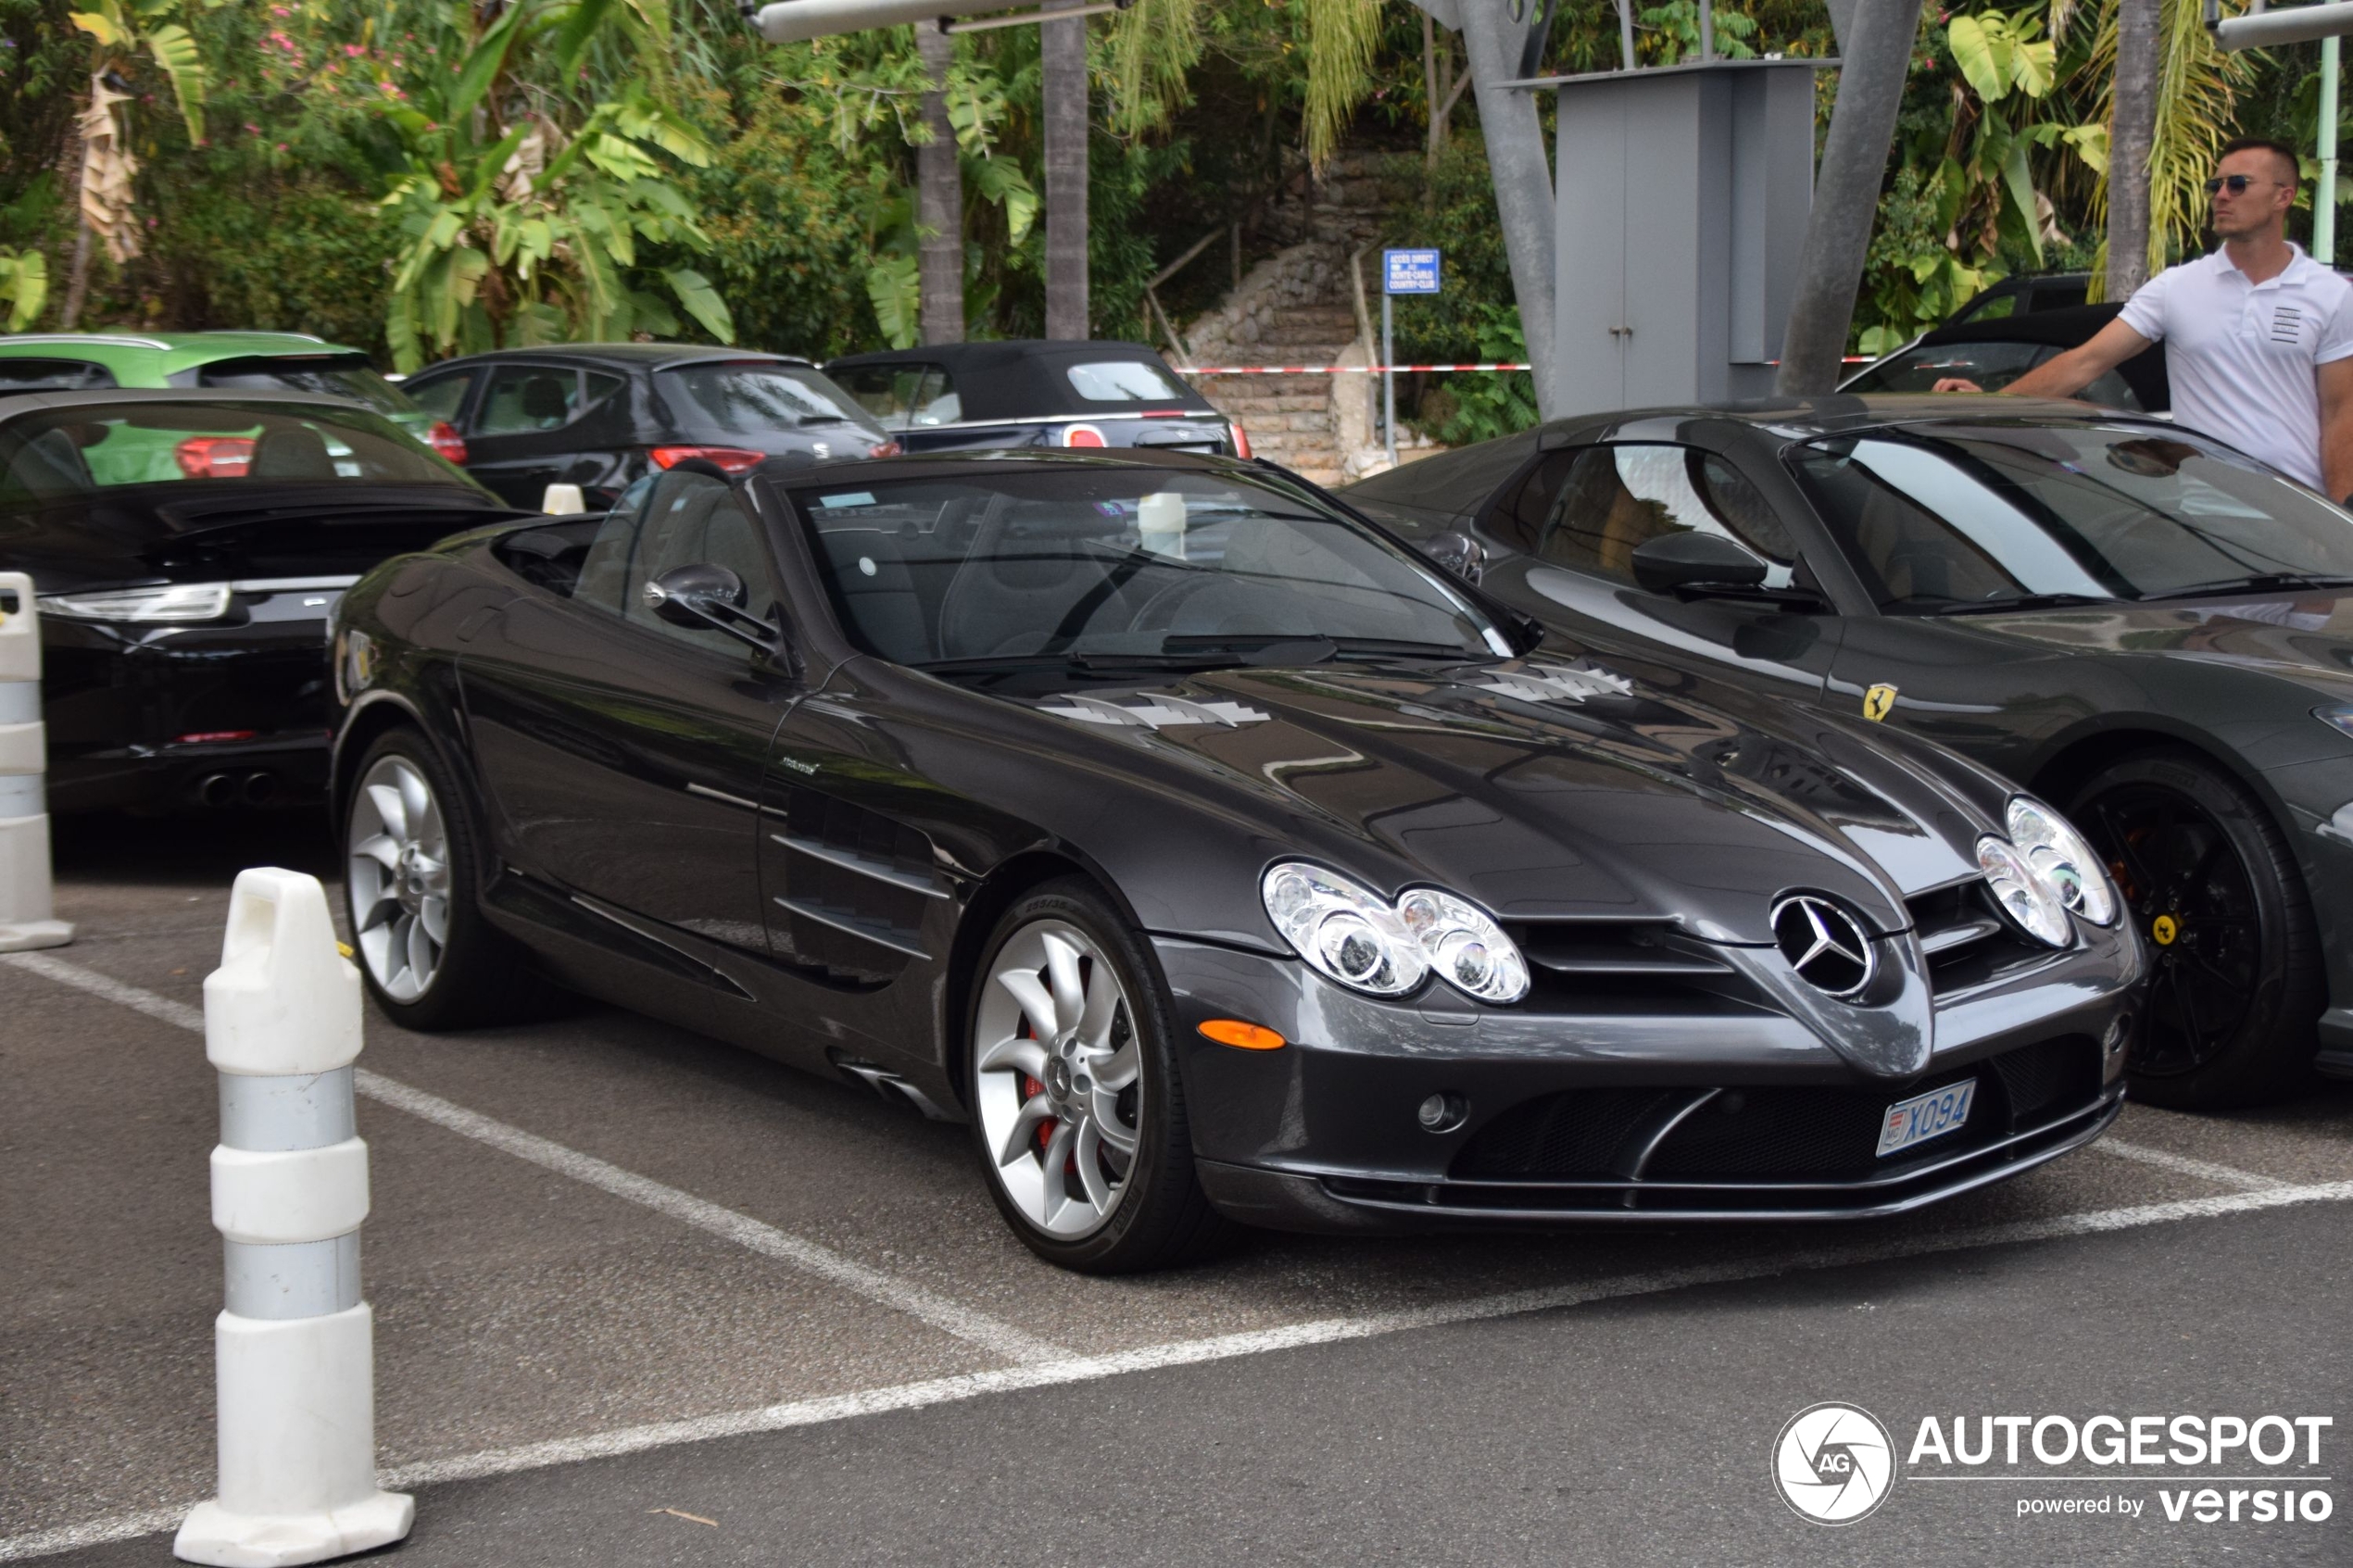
column 1954, row 679
column 442, row 395
column 526, row 429
column 1566, row 535
column 623, row 755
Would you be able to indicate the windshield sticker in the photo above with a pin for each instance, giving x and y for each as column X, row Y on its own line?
column 854, row 498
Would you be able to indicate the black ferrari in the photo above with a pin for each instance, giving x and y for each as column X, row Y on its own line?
column 2139, row 624
column 186, row 547
column 1210, row 855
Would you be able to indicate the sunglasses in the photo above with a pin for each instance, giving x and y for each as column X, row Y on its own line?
column 2237, row 184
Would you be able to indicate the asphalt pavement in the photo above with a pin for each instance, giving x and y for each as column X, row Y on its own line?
column 643, row 1297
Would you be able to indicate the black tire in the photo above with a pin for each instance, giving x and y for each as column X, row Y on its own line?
column 2238, row 986
column 482, row 975
column 1161, row 1216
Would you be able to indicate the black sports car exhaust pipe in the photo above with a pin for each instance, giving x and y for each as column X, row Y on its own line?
column 258, row 789
column 217, row 790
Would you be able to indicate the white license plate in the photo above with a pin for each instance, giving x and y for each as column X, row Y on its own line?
column 1923, row 1117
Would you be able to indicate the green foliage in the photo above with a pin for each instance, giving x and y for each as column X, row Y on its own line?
column 24, row 286
column 1483, row 404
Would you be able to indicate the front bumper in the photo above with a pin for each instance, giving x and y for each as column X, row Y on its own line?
column 1624, row 1109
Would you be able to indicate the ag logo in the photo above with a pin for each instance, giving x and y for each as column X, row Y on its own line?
column 1833, row 1464
column 1877, row 702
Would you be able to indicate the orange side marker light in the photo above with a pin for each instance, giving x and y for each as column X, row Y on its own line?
column 1242, row 1036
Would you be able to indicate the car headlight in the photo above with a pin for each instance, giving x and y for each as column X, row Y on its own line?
column 175, row 601
column 1465, row 945
column 1344, row 931
column 2032, row 905
column 2057, row 854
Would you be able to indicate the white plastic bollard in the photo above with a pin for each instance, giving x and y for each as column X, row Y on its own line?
column 294, row 1348
column 25, row 914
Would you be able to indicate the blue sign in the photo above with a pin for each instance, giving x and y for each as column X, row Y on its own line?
column 1409, row 272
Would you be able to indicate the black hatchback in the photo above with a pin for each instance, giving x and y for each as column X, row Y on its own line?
column 602, row 416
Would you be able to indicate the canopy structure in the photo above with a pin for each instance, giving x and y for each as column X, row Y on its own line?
column 2261, row 28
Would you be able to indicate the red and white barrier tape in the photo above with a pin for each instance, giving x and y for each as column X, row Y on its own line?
column 1328, row 370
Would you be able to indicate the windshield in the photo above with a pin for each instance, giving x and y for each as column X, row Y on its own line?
column 750, row 399
column 1945, row 517
column 351, row 379
column 1119, row 566
column 61, row 453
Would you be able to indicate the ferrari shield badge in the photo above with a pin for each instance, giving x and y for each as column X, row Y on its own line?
column 1877, row 702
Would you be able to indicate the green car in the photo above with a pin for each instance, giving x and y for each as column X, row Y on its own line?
column 232, row 361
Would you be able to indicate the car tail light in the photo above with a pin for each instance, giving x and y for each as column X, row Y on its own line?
column 1083, row 435
column 444, row 438
column 215, row 456
column 731, row 459
column 1241, row 439
column 887, row 449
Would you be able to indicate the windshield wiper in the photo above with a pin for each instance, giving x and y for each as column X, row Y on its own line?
column 2021, row 601
column 1315, row 647
column 2261, row 582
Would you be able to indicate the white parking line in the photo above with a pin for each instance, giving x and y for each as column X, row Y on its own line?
column 1192, row 1352
column 978, row 1328
column 2182, row 1165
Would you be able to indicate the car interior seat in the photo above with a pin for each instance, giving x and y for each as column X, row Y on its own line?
column 879, row 593
column 1019, row 582
column 291, row 452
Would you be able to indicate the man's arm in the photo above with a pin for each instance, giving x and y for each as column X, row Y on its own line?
column 2067, row 374
column 2336, row 427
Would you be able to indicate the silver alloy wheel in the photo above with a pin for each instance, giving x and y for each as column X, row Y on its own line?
column 399, row 878
column 1057, row 1079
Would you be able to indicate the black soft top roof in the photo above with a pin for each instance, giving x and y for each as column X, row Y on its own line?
column 1024, row 378
column 2063, row 328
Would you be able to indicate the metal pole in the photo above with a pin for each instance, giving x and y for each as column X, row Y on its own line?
column 1388, row 385
column 1706, row 30
column 2324, row 199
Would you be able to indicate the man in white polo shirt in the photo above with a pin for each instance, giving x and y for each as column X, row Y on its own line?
column 2259, row 335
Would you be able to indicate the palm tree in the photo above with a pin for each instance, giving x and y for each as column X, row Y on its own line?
column 120, row 31
column 939, row 199
column 1062, row 47
column 2132, row 130
column 2193, row 104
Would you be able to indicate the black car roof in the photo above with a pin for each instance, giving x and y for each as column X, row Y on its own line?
column 620, row 356
column 1802, row 419
column 13, row 403
column 1022, row 378
column 2063, row 328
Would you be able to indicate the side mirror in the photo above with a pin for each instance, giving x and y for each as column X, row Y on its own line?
column 708, row 598
column 1675, row 561
column 1457, row 552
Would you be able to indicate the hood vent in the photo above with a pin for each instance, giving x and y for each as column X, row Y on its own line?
column 1553, row 682
column 1154, row 712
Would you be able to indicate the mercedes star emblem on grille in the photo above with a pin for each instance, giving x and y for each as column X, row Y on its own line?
column 1828, row 947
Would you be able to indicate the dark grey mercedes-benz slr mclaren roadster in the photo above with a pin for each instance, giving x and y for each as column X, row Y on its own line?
column 1211, row 857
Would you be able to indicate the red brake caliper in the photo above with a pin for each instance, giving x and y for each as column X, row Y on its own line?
column 1030, row 1089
